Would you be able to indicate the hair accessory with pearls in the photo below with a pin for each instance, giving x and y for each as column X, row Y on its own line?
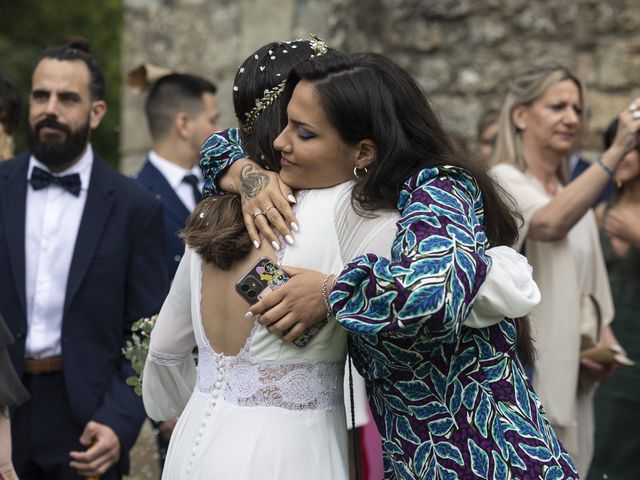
column 319, row 48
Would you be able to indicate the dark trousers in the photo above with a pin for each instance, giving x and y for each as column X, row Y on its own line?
column 44, row 432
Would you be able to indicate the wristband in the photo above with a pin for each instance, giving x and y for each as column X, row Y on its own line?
column 607, row 169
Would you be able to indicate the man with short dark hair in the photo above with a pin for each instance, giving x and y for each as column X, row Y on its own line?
column 83, row 251
column 182, row 112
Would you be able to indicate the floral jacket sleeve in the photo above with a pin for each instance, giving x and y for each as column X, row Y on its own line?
column 438, row 263
column 218, row 153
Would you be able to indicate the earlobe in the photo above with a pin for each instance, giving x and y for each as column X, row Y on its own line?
column 181, row 124
column 97, row 112
column 367, row 153
column 518, row 117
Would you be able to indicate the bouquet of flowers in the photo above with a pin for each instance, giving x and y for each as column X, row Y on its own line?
column 137, row 348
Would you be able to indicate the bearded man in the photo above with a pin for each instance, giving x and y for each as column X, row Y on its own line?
column 82, row 256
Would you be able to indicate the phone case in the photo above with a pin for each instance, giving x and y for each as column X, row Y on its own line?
column 265, row 274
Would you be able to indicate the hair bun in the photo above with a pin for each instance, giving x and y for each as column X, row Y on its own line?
column 79, row 43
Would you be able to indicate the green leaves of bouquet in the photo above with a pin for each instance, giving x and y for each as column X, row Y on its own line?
column 136, row 349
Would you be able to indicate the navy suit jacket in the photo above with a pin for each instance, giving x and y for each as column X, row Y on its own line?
column 117, row 275
column 175, row 212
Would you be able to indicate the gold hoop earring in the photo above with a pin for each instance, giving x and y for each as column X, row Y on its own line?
column 355, row 172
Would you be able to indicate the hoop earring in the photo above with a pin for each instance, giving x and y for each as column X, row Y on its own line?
column 355, row 172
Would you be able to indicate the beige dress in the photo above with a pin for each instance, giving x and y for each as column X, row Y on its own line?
column 564, row 270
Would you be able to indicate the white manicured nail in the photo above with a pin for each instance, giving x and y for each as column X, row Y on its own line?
column 248, row 315
column 289, row 239
column 294, row 226
column 256, row 243
column 275, row 245
column 292, row 199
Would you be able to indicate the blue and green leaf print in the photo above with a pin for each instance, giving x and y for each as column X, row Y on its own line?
column 470, row 410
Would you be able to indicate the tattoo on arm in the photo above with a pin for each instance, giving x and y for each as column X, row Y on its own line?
column 252, row 182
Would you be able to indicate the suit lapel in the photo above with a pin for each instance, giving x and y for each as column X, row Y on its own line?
column 151, row 177
column 94, row 219
column 14, row 196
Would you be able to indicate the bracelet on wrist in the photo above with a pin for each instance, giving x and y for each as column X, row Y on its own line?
column 607, row 169
column 325, row 295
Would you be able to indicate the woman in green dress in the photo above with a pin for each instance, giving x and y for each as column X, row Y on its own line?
column 617, row 401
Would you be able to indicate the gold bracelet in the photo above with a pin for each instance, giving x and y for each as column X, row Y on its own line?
column 325, row 297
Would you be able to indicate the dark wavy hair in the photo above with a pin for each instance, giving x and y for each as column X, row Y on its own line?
column 220, row 236
column 263, row 70
column 367, row 96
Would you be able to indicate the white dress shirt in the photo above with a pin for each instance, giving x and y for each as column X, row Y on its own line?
column 52, row 221
column 174, row 174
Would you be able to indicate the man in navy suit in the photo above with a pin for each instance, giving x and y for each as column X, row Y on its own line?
column 182, row 112
column 81, row 250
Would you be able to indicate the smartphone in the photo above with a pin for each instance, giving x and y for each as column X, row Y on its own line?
column 263, row 276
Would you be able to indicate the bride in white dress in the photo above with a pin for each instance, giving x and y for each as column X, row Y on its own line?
column 261, row 408
column 256, row 407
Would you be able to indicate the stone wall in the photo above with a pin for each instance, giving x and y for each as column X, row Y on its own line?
column 463, row 52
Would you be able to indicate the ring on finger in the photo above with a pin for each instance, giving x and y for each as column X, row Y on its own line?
column 268, row 208
column 635, row 114
column 254, row 215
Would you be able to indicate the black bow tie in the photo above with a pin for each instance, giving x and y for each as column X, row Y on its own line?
column 41, row 179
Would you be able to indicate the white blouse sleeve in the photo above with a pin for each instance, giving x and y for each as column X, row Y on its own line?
column 508, row 290
column 170, row 373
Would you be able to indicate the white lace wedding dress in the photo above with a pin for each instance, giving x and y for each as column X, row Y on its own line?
column 275, row 411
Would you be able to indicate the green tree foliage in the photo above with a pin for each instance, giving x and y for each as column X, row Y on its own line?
column 27, row 27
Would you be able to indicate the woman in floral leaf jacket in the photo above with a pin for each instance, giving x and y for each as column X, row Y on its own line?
column 449, row 401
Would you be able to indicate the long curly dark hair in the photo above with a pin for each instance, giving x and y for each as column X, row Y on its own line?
column 367, row 96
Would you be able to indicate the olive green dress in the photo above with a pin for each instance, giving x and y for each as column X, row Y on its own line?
column 617, row 400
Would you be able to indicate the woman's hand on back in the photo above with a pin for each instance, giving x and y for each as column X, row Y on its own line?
column 266, row 203
column 295, row 306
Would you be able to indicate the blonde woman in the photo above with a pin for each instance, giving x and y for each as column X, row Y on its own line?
column 540, row 125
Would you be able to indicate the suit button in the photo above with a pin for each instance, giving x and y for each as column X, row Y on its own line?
column 20, row 334
column 177, row 258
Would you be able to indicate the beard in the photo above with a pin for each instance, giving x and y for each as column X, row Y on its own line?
column 54, row 152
